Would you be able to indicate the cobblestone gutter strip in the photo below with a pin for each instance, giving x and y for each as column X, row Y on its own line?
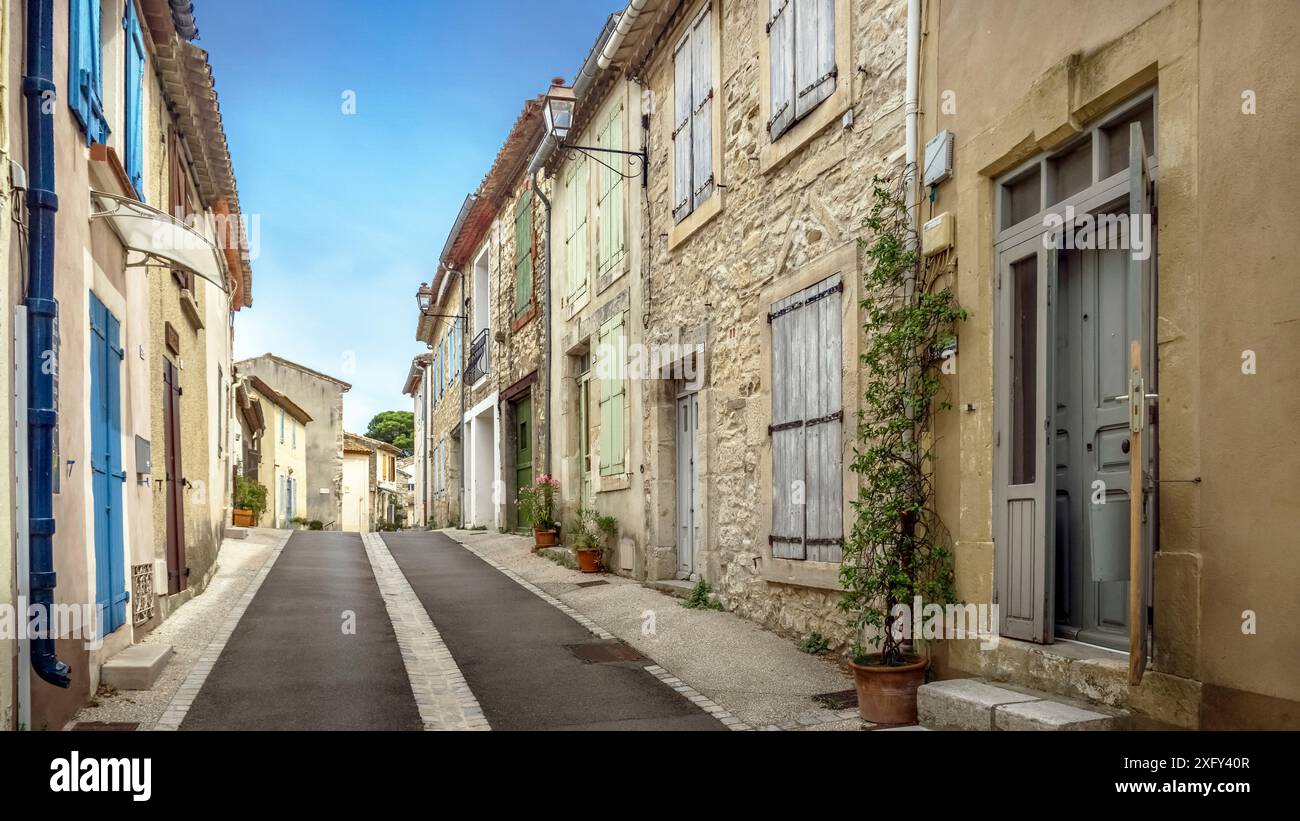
column 442, row 695
column 184, row 697
column 703, row 702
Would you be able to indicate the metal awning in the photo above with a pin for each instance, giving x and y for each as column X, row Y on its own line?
column 159, row 236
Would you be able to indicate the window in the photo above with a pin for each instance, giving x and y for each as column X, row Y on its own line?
column 575, row 241
column 293, row 432
column 693, row 103
column 523, row 253
column 613, row 395
column 86, row 69
column 610, row 230
column 1024, row 369
column 807, row 419
column 178, row 201
column 134, row 99
column 282, row 426
column 801, row 44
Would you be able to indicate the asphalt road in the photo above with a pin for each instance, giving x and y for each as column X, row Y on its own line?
column 514, row 650
column 290, row 665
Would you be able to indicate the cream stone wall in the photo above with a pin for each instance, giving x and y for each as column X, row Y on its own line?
column 790, row 210
column 576, row 325
column 445, row 415
column 1227, row 448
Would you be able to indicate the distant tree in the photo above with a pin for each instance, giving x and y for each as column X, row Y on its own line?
column 397, row 428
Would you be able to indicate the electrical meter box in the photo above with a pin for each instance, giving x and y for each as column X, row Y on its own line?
column 938, row 234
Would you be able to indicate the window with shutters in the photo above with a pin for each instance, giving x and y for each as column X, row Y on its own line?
column 805, row 48
column 611, row 229
column 178, row 199
column 612, row 351
column 524, row 250
column 86, row 69
column 807, row 423
column 576, row 250
column 694, row 175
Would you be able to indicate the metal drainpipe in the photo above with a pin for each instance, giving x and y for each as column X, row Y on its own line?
column 41, row 311
column 546, row 325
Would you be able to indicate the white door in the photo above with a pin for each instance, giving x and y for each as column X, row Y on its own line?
column 688, row 418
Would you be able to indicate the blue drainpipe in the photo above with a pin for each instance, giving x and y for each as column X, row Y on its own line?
column 42, row 204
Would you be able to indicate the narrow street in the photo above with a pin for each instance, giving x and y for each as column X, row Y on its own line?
column 290, row 665
column 316, row 649
column 520, row 654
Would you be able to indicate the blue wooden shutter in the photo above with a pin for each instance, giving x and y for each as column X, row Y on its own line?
column 113, row 356
column 86, row 69
column 134, row 100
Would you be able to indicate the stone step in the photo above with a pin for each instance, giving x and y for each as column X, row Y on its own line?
column 975, row 704
column 236, row 533
column 673, row 587
column 137, row 667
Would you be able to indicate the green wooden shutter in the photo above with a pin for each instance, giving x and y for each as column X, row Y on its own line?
column 523, row 252
column 576, row 243
column 613, row 398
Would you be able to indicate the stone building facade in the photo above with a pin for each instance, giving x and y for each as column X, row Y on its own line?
column 732, row 222
column 495, row 257
column 596, row 254
column 321, row 397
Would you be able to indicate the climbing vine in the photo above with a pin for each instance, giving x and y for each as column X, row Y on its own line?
column 897, row 547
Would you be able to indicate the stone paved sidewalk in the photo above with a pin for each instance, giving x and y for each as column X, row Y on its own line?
column 762, row 679
column 188, row 631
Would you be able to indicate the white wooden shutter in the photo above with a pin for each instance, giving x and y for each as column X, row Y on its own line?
column 814, row 46
column 807, row 424
column 682, row 105
column 787, row 432
column 780, row 35
column 823, row 421
column 702, row 113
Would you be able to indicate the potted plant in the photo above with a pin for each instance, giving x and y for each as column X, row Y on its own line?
column 591, row 539
column 897, row 548
column 537, row 505
column 250, row 502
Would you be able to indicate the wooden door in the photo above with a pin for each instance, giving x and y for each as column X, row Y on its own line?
column 174, row 484
column 523, row 453
column 106, row 466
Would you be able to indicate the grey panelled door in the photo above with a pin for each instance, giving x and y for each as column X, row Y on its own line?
column 688, row 420
column 1023, row 517
column 807, row 424
column 1091, row 448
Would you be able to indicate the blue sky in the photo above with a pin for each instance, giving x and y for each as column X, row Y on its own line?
column 354, row 209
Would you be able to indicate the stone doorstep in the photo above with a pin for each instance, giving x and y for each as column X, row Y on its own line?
column 672, row 587
column 136, row 667
column 236, row 533
column 974, row 704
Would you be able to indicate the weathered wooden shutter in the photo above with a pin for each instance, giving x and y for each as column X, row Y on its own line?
column 787, row 432
column 807, row 424
column 683, row 103
column 702, row 113
column 780, row 36
column 814, row 45
column 821, row 320
column 523, row 252
column 1142, row 462
column 613, row 392
column 611, row 229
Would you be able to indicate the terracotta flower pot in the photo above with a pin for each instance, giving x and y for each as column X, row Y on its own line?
column 549, row 537
column 887, row 695
column 241, row 517
column 588, row 560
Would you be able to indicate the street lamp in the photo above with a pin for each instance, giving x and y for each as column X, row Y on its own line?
column 424, row 298
column 560, row 105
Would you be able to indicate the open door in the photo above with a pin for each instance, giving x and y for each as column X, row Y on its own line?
column 1141, row 376
column 1025, row 465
